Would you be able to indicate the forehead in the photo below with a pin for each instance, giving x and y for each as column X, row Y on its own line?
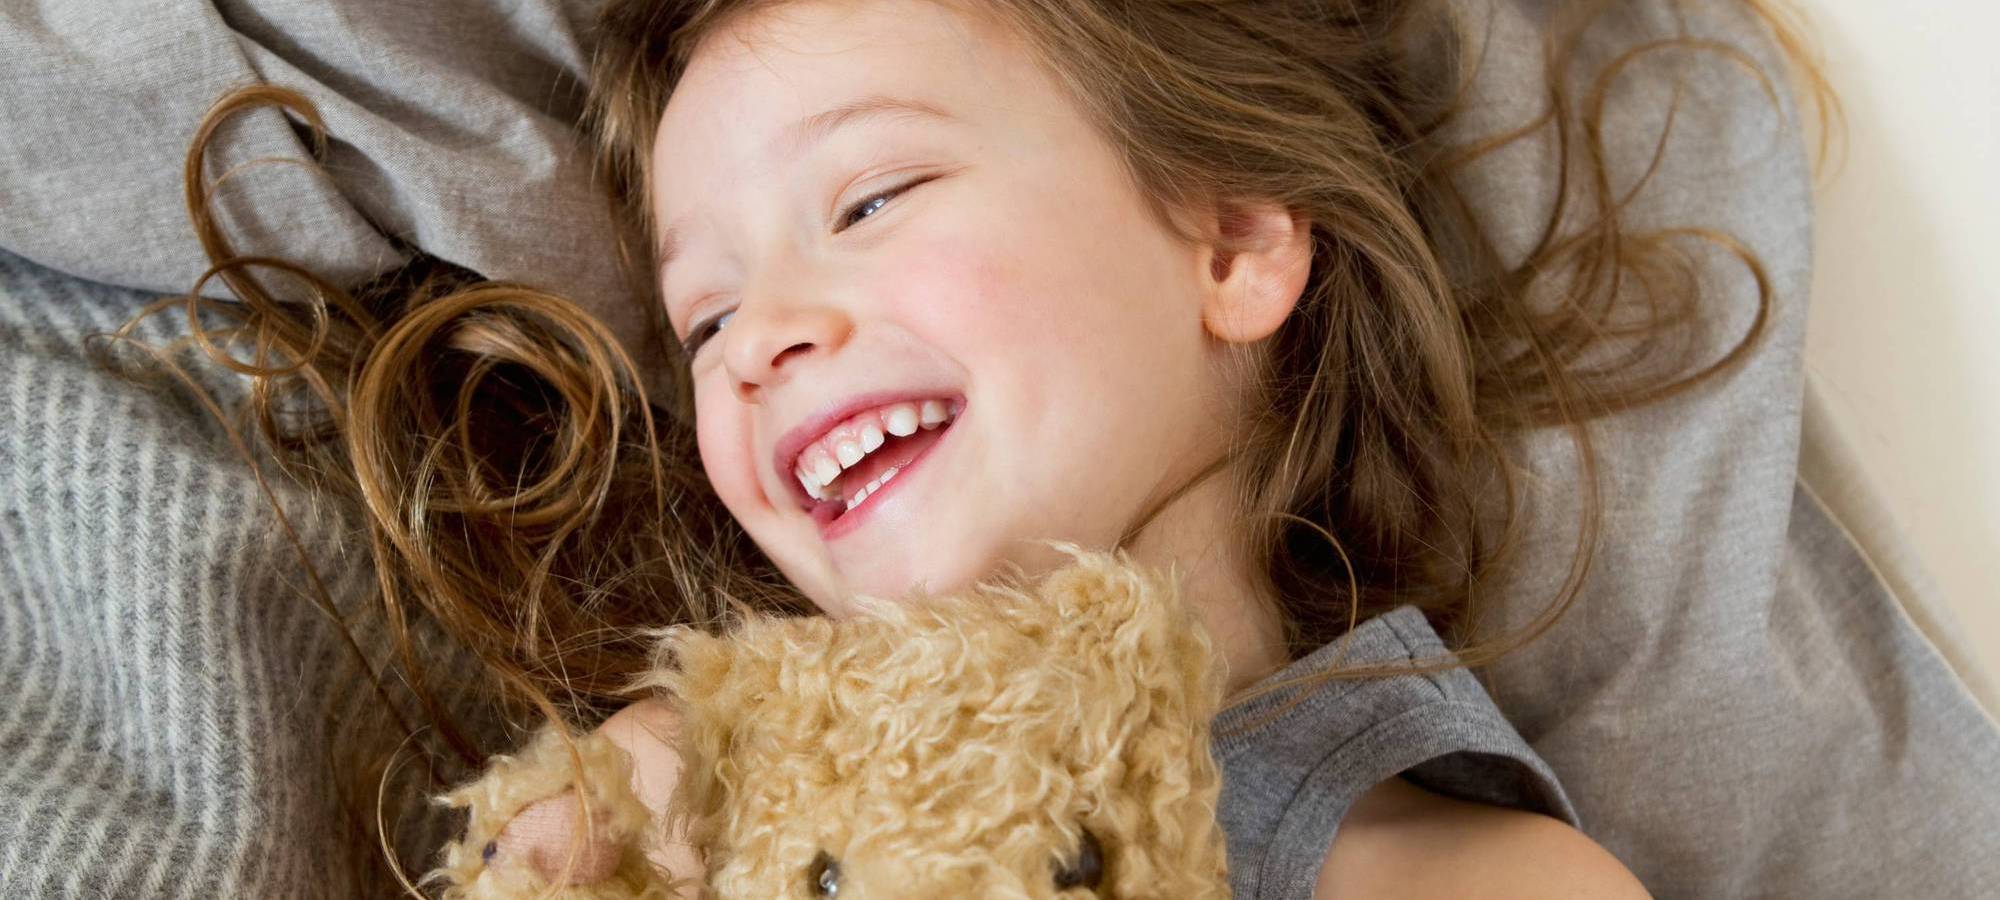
column 737, row 110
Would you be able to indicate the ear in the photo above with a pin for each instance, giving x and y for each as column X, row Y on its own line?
column 1257, row 263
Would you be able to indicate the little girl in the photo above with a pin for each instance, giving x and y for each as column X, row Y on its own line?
column 950, row 277
column 947, row 279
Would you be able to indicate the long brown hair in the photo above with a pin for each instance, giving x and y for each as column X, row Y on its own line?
column 525, row 496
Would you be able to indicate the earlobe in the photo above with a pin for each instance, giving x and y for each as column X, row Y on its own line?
column 1257, row 269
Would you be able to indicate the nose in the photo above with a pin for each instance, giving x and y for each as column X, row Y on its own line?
column 767, row 342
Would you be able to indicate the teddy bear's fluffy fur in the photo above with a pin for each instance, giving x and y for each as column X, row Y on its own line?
column 948, row 747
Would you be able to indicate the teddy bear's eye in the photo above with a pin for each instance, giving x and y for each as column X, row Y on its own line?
column 1086, row 870
column 823, row 876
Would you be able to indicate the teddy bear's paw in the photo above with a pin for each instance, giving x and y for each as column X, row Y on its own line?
column 543, row 790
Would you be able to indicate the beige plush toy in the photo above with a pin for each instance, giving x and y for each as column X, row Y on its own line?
column 1006, row 743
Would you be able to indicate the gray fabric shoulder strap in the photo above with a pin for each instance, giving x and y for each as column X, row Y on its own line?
column 1289, row 781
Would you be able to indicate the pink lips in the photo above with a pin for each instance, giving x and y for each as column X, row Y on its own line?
column 786, row 455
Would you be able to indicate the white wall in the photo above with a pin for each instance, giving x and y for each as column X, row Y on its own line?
column 1904, row 332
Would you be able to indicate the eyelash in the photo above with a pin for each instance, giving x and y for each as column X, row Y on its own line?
column 703, row 332
column 700, row 335
column 847, row 219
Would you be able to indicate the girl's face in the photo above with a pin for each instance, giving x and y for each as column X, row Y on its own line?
column 882, row 209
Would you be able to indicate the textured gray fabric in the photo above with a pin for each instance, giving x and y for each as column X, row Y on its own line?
column 1287, row 783
column 1735, row 703
column 450, row 125
column 172, row 693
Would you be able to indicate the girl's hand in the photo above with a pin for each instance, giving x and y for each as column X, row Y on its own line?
column 541, row 835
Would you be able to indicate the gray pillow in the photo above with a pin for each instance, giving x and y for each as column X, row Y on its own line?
column 452, row 129
column 1736, row 702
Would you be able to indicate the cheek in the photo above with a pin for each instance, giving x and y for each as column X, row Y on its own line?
column 957, row 291
column 723, row 437
column 1053, row 313
column 1001, row 305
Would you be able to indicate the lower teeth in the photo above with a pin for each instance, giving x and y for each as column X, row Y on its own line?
column 870, row 490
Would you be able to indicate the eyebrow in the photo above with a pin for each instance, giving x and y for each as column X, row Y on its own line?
column 811, row 130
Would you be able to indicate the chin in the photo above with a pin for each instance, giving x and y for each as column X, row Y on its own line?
column 933, row 572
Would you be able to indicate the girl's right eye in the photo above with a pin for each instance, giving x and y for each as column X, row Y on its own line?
column 703, row 331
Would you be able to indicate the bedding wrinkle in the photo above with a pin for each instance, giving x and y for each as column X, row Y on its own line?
column 455, row 125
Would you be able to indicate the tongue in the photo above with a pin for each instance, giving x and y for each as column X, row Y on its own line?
column 894, row 452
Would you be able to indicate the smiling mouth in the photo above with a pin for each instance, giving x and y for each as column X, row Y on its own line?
column 859, row 459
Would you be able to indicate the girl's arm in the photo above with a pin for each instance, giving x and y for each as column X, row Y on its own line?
column 1400, row 840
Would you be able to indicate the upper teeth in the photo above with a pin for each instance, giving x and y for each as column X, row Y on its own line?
column 849, row 442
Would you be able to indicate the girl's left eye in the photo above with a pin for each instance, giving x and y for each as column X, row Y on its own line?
column 871, row 205
column 701, row 333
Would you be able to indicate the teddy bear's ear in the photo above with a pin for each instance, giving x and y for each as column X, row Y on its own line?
column 715, row 680
column 1132, row 620
column 1101, row 596
column 698, row 671
column 674, row 649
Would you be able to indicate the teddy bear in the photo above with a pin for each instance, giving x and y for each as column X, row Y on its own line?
column 1024, row 738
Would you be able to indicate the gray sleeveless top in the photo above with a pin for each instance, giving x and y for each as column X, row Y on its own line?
column 1287, row 783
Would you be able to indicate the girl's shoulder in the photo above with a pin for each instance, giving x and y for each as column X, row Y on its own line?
column 1417, row 713
column 1305, row 762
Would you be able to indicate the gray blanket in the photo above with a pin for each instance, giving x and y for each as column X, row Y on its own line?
column 1736, row 704
column 173, row 697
